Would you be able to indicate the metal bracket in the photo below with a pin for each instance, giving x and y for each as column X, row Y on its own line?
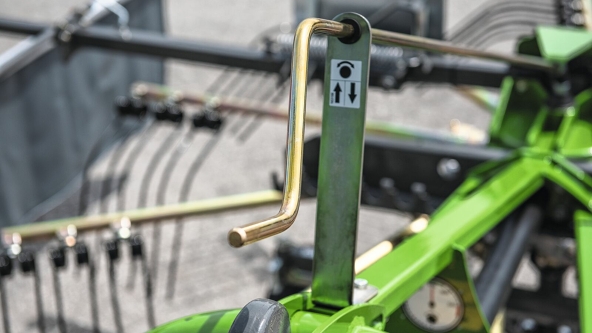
column 363, row 292
column 340, row 164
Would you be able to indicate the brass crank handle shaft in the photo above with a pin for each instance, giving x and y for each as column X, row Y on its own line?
column 253, row 232
column 256, row 231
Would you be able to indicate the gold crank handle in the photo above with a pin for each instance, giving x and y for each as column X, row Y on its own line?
column 253, row 232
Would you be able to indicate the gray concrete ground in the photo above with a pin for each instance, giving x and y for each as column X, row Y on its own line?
column 212, row 275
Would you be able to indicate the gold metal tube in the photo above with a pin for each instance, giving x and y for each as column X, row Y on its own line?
column 427, row 44
column 587, row 13
column 253, row 232
column 47, row 229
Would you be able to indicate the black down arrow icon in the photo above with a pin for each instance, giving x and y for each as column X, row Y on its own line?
column 352, row 92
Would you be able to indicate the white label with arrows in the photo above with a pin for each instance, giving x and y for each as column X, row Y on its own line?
column 346, row 77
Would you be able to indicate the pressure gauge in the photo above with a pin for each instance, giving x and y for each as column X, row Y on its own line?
column 436, row 307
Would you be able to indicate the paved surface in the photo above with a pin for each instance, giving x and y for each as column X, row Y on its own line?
column 212, row 275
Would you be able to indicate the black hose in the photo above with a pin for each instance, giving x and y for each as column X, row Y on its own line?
column 494, row 283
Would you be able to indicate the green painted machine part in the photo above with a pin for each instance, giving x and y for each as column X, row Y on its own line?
column 340, row 166
column 583, row 226
column 544, row 137
column 456, row 274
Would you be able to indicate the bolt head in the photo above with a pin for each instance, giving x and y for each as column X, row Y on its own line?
column 360, row 283
column 528, row 325
column 564, row 329
column 448, row 168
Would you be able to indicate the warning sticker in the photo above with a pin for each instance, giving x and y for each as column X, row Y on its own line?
column 346, row 77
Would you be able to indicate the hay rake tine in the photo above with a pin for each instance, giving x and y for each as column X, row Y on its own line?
column 174, row 158
column 467, row 26
column 26, row 260
column 130, row 162
column 156, row 236
column 112, row 249
column 136, row 246
column 148, row 290
column 131, row 276
column 506, row 29
column 256, row 84
column 150, row 272
column 83, row 257
column 121, row 197
column 114, row 298
column 237, row 91
column 256, row 121
column 58, row 258
column 4, row 301
column 94, row 152
column 110, row 171
column 224, row 76
column 184, row 195
column 188, row 180
column 152, row 164
column 38, row 300
column 94, row 303
column 106, row 183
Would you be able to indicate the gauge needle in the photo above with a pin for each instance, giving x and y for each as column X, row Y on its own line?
column 432, row 291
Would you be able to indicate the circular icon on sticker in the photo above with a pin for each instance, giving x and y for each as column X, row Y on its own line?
column 345, row 72
column 345, row 69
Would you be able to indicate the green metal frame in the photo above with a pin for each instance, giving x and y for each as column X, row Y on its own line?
column 543, row 140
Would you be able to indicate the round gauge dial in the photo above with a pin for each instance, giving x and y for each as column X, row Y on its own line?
column 436, row 307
